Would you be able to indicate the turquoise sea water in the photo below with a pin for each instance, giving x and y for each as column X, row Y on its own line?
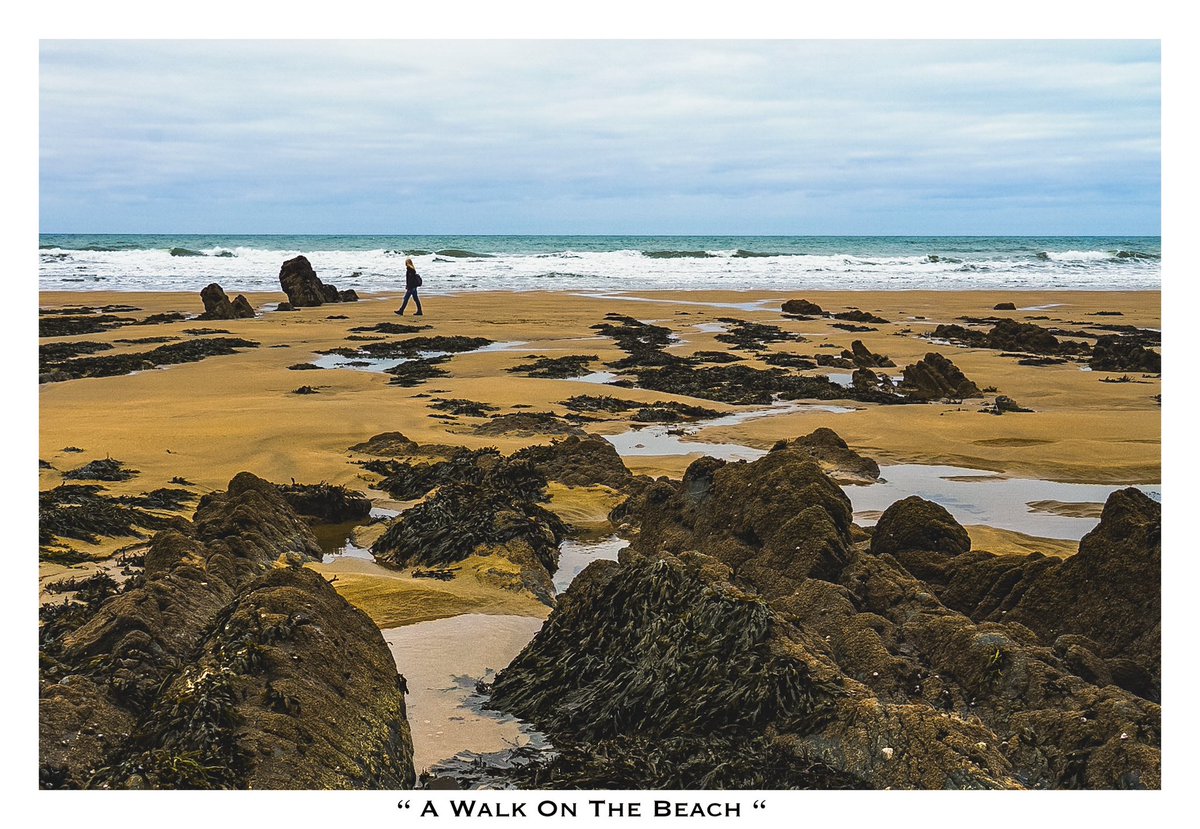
column 591, row 263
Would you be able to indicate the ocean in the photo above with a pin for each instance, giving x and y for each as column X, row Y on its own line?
column 122, row 262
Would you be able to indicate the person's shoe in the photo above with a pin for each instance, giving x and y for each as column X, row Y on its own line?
column 398, row 313
column 419, row 314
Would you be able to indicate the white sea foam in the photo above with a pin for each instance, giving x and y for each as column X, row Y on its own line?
column 239, row 268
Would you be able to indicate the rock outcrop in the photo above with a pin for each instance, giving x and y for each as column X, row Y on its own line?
column 802, row 308
column 838, row 460
column 937, row 378
column 226, row 665
column 863, row 357
column 744, row 615
column 304, row 289
column 917, row 524
column 1116, row 353
column 217, row 305
column 578, row 461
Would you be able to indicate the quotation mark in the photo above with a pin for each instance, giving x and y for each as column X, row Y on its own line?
column 760, row 804
column 403, row 804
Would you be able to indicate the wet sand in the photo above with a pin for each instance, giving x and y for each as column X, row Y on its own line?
column 208, row 420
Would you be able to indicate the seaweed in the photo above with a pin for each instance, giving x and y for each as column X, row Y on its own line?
column 391, row 328
column 416, row 372
column 305, row 390
column 188, row 351
column 599, row 403
column 462, row 515
column 574, row 365
column 754, row 336
column 108, row 469
column 459, row 406
column 68, row 326
column 330, row 503
column 79, row 511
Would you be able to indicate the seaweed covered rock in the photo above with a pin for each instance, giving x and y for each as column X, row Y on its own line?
column 1116, row 353
column 937, row 378
column 917, row 524
column 224, row 666
column 578, row 461
column 863, row 357
column 778, row 520
column 1110, row 590
column 329, row 503
column 743, row 612
column 304, row 289
column 527, row 424
column 482, row 511
column 836, row 458
column 217, row 305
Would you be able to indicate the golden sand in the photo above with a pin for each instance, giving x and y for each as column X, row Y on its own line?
column 209, row 420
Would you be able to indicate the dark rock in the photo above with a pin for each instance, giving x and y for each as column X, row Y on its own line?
column 856, row 315
column 830, row 361
column 1003, row 404
column 862, row 357
column 68, row 326
column 349, row 295
column 578, row 461
column 304, row 290
column 1110, row 590
column 937, row 378
column 917, row 524
column 220, row 649
column 459, row 406
column 839, row 461
column 480, row 507
column 743, row 611
column 285, row 306
column 218, row 307
column 802, row 308
column 1115, row 353
column 1004, row 306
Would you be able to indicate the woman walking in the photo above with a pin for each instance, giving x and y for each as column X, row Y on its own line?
column 412, row 281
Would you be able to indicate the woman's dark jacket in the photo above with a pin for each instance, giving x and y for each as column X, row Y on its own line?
column 410, row 278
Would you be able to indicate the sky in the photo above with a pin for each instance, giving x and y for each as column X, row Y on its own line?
column 598, row 137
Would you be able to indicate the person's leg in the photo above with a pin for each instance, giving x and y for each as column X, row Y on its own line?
column 404, row 304
column 417, row 300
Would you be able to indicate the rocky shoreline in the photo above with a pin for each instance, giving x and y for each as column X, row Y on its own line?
column 225, row 632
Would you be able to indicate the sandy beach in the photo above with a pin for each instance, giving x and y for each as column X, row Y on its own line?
column 206, row 421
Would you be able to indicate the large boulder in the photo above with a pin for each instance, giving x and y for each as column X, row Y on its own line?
column 217, row 305
column 1114, row 353
column 802, row 308
column 578, row 461
column 227, row 665
column 917, row 524
column 304, row 290
column 838, row 460
column 937, row 378
column 724, row 639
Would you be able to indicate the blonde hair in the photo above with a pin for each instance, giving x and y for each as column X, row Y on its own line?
column 408, row 264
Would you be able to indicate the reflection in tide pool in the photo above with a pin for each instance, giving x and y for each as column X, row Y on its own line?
column 673, row 439
column 976, row 496
column 573, row 556
column 441, row 661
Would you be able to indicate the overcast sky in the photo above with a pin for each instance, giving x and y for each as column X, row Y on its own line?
column 689, row 137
